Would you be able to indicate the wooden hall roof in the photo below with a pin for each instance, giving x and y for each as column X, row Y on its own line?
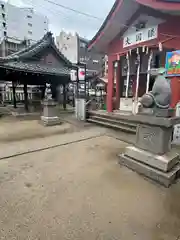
column 123, row 13
column 33, row 59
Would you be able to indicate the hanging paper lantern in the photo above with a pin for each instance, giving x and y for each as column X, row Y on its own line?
column 127, row 55
column 160, row 47
column 137, row 51
column 73, row 75
column 81, row 74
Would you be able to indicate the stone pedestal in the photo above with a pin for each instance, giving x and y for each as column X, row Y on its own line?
column 50, row 116
column 80, row 109
column 152, row 156
column 157, row 112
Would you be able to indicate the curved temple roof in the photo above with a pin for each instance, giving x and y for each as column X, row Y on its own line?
column 119, row 15
column 33, row 49
column 22, row 60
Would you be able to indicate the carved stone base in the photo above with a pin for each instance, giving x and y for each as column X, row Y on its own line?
column 155, row 139
column 152, row 155
column 157, row 112
column 50, row 117
column 163, row 178
column 50, row 121
column 161, row 162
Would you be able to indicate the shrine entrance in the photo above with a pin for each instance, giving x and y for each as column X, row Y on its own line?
column 134, row 77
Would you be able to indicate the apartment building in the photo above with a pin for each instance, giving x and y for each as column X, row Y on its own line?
column 75, row 48
column 19, row 24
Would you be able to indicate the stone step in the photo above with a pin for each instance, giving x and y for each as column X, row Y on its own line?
column 104, row 114
column 114, row 121
column 112, row 125
column 118, row 118
column 163, row 178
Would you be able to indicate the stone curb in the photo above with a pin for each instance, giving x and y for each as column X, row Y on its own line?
column 26, row 151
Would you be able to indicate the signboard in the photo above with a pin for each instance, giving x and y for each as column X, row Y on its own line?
column 173, row 63
column 140, row 36
column 81, row 74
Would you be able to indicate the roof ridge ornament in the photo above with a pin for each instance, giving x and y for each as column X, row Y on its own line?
column 48, row 34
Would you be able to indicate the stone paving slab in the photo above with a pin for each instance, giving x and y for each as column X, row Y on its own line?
column 27, row 146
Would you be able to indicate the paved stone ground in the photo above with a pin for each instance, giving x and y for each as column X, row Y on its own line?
column 78, row 191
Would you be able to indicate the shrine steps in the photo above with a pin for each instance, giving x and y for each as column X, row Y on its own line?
column 111, row 121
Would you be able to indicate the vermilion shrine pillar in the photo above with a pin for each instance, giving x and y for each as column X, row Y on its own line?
column 118, row 73
column 110, row 86
column 175, row 87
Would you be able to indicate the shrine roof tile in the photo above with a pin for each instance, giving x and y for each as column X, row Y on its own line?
column 36, row 68
column 34, row 49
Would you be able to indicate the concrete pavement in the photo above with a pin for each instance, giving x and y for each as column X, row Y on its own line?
column 79, row 191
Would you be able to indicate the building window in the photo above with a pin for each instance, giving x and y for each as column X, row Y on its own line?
column 29, row 16
column 3, row 15
column 4, row 24
column 2, row 6
column 30, row 32
column 5, row 33
column 30, row 24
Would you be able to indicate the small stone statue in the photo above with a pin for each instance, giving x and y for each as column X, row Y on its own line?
column 160, row 96
column 48, row 93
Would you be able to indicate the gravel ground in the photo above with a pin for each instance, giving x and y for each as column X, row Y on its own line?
column 15, row 130
column 79, row 191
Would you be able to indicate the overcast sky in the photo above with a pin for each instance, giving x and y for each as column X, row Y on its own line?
column 60, row 18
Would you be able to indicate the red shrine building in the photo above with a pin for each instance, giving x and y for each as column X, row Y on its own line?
column 136, row 35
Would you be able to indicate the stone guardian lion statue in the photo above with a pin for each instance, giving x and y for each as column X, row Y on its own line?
column 160, row 96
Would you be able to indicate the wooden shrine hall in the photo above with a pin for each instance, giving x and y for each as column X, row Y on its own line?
column 136, row 35
column 37, row 64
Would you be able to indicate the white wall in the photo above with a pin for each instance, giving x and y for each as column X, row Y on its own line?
column 17, row 21
column 67, row 43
